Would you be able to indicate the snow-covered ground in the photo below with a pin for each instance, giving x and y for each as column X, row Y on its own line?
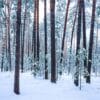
column 39, row 89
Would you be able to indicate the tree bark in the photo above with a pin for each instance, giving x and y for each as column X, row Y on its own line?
column 76, row 76
column 84, row 34
column 38, row 44
column 88, row 78
column 45, row 30
column 17, row 56
column 64, row 32
column 8, row 28
column 23, row 38
column 53, row 53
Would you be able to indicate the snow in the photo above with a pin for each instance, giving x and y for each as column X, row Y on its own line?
column 39, row 89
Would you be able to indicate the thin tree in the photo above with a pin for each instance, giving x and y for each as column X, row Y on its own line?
column 34, row 46
column 23, row 37
column 84, row 33
column 17, row 55
column 45, row 30
column 88, row 78
column 35, row 37
column 53, row 53
column 37, row 28
column 34, row 31
column 64, row 32
column 8, row 29
column 76, row 76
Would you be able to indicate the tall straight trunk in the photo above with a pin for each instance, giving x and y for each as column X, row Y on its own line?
column 23, row 38
column 76, row 76
column 29, row 40
column 6, row 30
column 84, row 33
column 35, row 37
column 84, row 24
column 34, row 46
column 8, row 26
column 17, row 56
column 38, row 44
column 88, row 78
column 45, row 30
column 53, row 53
column 64, row 32
column 34, row 31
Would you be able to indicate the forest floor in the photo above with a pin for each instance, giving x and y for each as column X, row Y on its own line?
column 38, row 89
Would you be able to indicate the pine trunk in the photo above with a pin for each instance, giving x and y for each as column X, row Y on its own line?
column 53, row 53
column 17, row 55
column 45, row 30
column 76, row 76
column 88, row 78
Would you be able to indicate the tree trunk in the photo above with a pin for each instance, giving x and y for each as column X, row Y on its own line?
column 38, row 44
column 8, row 27
column 88, row 78
column 76, row 76
column 64, row 33
column 84, row 34
column 53, row 53
column 23, row 38
column 34, row 31
column 17, row 56
column 45, row 30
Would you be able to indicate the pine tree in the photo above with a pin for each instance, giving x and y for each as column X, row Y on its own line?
column 23, row 38
column 76, row 76
column 88, row 78
column 53, row 53
column 45, row 30
column 84, row 34
column 17, row 55
column 64, row 31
